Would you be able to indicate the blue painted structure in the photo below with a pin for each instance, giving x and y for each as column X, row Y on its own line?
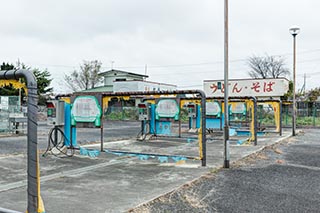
column 152, row 118
column 214, row 123
column 158, row 127
column 163, row 127
column 67, row 127
column 248, row 133
column 197, row 119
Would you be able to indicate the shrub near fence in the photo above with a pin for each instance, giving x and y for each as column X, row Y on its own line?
column 121, row 113
column 118, row 113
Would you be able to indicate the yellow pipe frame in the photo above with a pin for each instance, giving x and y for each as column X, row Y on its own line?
column 250, row 106
column 66, row 99
column 15, row 83
column 276, row 111
column 106, row 99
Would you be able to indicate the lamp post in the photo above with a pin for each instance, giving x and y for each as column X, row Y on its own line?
column 226, row 88
column 294, row 30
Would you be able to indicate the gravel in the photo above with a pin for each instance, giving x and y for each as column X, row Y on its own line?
column 280, row 178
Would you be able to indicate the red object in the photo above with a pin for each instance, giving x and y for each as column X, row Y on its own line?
column 50, row 105
column 142, row 105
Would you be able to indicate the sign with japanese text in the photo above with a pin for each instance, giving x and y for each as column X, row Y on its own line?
column 248, row 87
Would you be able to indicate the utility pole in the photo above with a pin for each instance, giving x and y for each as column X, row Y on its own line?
column 294, row 30
column 304, row 83
column 226, row 89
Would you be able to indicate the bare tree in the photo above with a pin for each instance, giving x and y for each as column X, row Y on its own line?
column 267, row 67
column 86, row 78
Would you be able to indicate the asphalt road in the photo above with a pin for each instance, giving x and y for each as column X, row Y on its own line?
column 283, row 178
column 113, row 130
column 110, row 183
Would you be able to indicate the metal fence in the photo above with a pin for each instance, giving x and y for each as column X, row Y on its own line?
column 308, row 114
column 9, row 107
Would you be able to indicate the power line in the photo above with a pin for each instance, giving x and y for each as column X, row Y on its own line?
column 310, row 60
column 182, row 65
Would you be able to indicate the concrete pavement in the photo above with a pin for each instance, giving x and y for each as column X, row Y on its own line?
column 111, row 183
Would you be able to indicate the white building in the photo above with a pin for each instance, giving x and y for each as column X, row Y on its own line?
column 122, row 81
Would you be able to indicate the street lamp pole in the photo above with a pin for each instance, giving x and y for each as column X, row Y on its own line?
column 226, row 89
column 294, row 30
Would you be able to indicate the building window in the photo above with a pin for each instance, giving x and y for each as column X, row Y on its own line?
column 120, row 79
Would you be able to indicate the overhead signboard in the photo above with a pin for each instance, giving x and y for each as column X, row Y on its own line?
column 274, row 87
column 86, row 109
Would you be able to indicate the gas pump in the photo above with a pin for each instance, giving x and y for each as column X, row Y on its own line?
column 55, row 112
column 144, row 111
column 192, row 114
column 144, row 117
column 55, row 117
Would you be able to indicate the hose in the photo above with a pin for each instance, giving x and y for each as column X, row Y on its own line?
column 58, row 145
column 144, row 131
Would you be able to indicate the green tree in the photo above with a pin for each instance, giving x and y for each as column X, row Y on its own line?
column 6, row 66
column 289, row 94
column 8, row 90
column 86, row 78
column 43, row 81
column 313, row 94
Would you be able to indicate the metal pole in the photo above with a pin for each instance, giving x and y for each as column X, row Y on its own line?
column 226, row 89
column 101, row 136
column 280, row 117
column 294, row 106
column 179, row 100
column 314, row 113
column 33, row 186
column 255, row 123
column 203, row 129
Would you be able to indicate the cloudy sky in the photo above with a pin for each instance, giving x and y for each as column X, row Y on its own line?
column 180, row 41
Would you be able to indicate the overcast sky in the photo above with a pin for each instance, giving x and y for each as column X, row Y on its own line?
column 181, row 41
